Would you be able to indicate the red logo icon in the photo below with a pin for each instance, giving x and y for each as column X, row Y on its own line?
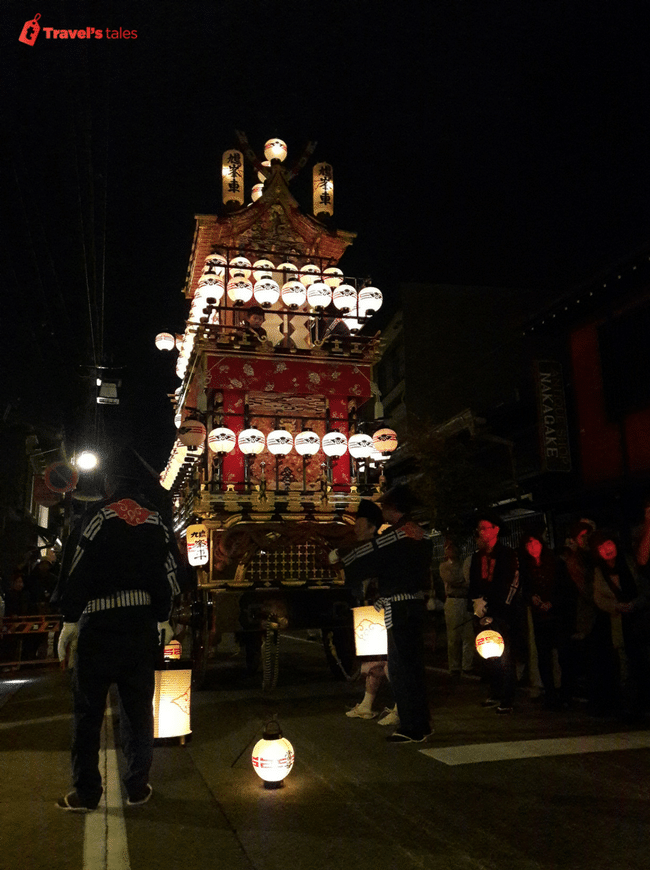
column 30, row 30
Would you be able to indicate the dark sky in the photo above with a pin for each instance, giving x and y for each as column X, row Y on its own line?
column 492, row 143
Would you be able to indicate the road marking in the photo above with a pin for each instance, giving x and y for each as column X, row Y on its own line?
column 105, row 842
column 478, row 753
column 20, row 723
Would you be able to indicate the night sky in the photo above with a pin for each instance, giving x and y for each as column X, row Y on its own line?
column 504, row 144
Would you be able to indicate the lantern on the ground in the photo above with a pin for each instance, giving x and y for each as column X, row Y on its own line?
column 171, row 703
column 240, row 290
column 319, row 295
column 266, row 292
column 489, row 644
column 272, row 756
column 370, row 638
column 333, row 276
column 370, row 300
column 279, row 442
column 335, row 444
column 344, row 297
column 385, row 440
column 307, row 443
column 294, row 294
column 222, row 440
column 360, row 446
column 251, row 442
column 275, row 149
column 232, row 177
column 165, row 341
column 196, row 538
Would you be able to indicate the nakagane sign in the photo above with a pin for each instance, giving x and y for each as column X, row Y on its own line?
column 553, row 424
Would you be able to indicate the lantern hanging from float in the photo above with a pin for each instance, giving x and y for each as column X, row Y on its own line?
column 239, row 267
column 309, row 274
column 319, row 295
column 256, row 192
column 210, row 287
column 272, row 756
column 489, row 644
column 196, row 538
column 323, row 189
column 165, row 341
column 294, row 294
column 192, row 433
column 370, row 638
column 385, row 440
column 279, row 442
column 215, row 265
column 262, row 269
column 344, row 297
column 251, row 442
column 370, row 301
column 334, row 444
column 333, row 276
column 275, row 149
column 222, row 440
column 266, row 292
column 240, row 291
column 360, row 446
column 307, row 443
column 288, row 271
column 232, row 177
column 262, row 177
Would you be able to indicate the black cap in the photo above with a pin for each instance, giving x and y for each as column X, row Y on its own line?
column 371, row 511
column 400, row 498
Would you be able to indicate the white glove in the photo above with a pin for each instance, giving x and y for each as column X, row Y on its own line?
column 480, row 607
column 68, row 638
column 165, row 632
column 333, row 557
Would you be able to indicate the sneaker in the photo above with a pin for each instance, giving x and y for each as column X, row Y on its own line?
column 503, row 711
column 408, row 737
column 490, row 702
column 358, row 712
column 392, row 718
column 73, row 804
column 142, row 798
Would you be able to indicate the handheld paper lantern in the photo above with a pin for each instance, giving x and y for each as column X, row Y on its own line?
column 335, row 444
column 360, row 446
column 272, row 756
column 172, row 652
column 192, row 433
column 165, row 341
column 370, row 299
column 307, row 443
column 370, row 636
column 294, row 294
column 251, row 442
column 266, row 292
column 385, row 440
column 232, row 177
column 489, row 644
column 275, row 149
column 344, row 297
column 240, row 290
column 279, row 442
column 222, row 440
column 333, row 276
column 196, row 538
column 319, row 295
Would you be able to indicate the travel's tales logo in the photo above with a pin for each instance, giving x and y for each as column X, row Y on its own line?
column 32, row 28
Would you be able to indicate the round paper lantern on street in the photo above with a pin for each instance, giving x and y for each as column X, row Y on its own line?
column 251, row 442
column 222, row 440
column 309, row 274
column 294, row 294
column 344, row 297
column 275, row 149
column 333, row 276
column 165, row 341
column 360, row 446
column 279, row 442
column 240, row 290
column 191, row 433
column 370, row 300
column 240, row 267
column 335, row 444
column 307, row 443
column 489, row 644
column 385, row 440
column 262, row 269
column 272, row 756
column 319, row 295
column 266, row 292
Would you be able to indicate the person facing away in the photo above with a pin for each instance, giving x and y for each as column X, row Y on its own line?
column 458, row 623
column 116, row 604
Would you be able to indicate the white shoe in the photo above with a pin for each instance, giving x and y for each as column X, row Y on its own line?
column 359, row 712
column 391, row 718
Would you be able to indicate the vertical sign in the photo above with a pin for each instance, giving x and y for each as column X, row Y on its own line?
column 553, row 424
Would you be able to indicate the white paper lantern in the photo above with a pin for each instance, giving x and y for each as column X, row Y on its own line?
column 256, row 192
column 275, row 149
column 344, row 297
column 239, row 267
column 262, row 269
column 215, row 265
column 192, row 433
column 385, row 440
column 294, row 294
column 370, row 638
column 240, row 290
column 287, row 271
column 210, row 288
column 333, row 276
column 319, row 295
column 323, row 189
column 251, row 442
column 489, row 644
column 279, row 442
column 232, row 177
column 261, row 175
column 266, row 291
column 222, row 440
column 309, row 274
column 307, row 443
column 165, row 341
column 370, row 300
column 360, row 446
column 196, row 539
column 171, row 703
column 335, row 444
column 272, row 756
